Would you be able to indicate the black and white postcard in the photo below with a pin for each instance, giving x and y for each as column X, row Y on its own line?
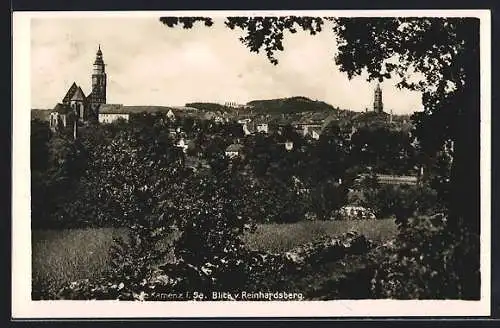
column 241, row 164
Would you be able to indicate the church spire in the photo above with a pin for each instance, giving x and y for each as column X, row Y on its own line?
column 99, row 63
column 98, row 95
column 378, row 105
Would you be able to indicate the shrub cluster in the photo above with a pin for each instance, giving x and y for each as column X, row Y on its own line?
column 328, row 249
column 233, row 271
column 353, row 213
column 426, row 261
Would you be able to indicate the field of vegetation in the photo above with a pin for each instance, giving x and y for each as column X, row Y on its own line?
column 63, row 256
column 274, row 237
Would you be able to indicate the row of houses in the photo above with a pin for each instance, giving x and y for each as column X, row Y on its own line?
column 237, row 149
column 307, row 125
column 109, row 113
column 391, row 179
column 303, row 125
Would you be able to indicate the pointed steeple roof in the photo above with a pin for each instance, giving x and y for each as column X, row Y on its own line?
column 78, row 95
column 98, row 57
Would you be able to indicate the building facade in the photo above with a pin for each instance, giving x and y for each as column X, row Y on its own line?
column 113, row 117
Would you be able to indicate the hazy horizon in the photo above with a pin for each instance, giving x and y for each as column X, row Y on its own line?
column 149, row 64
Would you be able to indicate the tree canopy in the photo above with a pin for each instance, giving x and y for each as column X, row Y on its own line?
column 438, row 57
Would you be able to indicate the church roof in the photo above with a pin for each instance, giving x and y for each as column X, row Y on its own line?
column 78, row 95
column 89, row 97
column 98, row 57
column 72, row 89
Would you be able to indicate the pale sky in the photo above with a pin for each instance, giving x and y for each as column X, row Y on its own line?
column 148, row 63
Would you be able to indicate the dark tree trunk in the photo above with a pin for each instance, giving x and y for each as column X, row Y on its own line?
column 464, row 218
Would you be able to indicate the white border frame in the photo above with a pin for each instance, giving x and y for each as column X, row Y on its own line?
column 22, row 305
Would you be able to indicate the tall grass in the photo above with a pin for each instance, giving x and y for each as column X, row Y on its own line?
column 62, row 256
column 282, row 237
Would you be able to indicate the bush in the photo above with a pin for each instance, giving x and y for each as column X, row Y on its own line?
column 401, row 202
column 210, row 250
column 328, row 249
column 354, row 213
column 326, row 197
column 426, row 261
column 232, row 271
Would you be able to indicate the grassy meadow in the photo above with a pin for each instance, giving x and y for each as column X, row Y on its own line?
column 276, row 237
column 61, row 256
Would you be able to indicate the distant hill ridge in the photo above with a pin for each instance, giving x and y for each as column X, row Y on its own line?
column 290, row 105
column 209, row 106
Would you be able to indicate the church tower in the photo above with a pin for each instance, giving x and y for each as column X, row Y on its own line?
column 98, row 95
column 378, row 105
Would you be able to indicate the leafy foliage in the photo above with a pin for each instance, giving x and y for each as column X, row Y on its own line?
column 402, row 202
column 210, row 222
column 256, row 271
column 423, row 263
column 385, row 150
column 267, row 32
column 327, row 197
column 450, row 70
column 187, row 22
column 65, row 164
column 40, row 137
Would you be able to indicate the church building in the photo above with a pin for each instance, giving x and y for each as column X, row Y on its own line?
column 76, row 109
